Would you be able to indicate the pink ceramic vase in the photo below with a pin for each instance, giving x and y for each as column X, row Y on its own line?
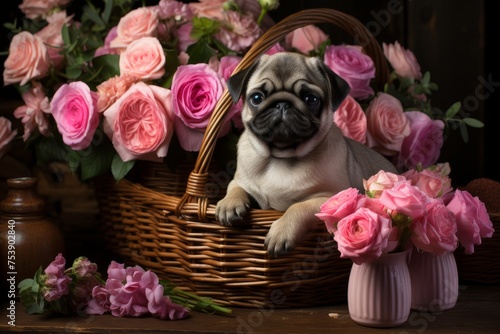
column 379, row 292
column 434, row 281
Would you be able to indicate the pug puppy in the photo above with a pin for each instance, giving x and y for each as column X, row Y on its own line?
column 291, row 157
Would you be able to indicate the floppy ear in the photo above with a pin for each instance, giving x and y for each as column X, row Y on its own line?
column 236, row 84
column 339, row 88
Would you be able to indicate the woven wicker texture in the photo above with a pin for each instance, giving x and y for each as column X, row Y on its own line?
column 164, row 221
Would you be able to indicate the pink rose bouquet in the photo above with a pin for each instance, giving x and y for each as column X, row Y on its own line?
column 127, row 291
column 397, row 211
column 119, row 82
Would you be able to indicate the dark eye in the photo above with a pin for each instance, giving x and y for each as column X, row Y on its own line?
column 311, row 100
column 256, row 99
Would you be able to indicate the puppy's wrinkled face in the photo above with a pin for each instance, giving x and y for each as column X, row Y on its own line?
column 288, row 103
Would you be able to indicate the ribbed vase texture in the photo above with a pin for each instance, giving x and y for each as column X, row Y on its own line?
column 434, row 281
column 379, row 292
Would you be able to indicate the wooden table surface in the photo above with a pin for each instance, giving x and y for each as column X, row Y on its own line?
column 477, row 311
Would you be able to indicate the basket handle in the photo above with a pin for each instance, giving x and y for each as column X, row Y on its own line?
column 197, row 180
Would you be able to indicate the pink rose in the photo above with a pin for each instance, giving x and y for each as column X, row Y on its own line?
column 352, row 65
column 306, row 39
column 52, row 37
column 239, row 31
column 430, row 182
column 423, row 144
column 143, row 59
column 32, row 114
column 111, row 90
column 140, row 22
column 6, row 135
column 473, row 221
column 276, row 48
column 74, row 108
column 211, row 9
column 337, row 207
column 379, row 182
column 363, row 235
column 402, row 61
column 28, row 59
column 351, row 119
column 435, row 231
column 403, row 198
column 226, row 67
column 387, row 125
column 34, row 9
column 140, row 123
column 196, row 88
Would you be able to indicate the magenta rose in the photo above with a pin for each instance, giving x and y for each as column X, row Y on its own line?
column 196, row 88
column 306, row 39
column 403, row 61
column 363, row 235
column 337, row 207
column 352, row 65
column 473, row 221
column 423, row 144
column 74, row 108
column 387, row 124
column 140, row 123
column 435, row 232
column 351, row 119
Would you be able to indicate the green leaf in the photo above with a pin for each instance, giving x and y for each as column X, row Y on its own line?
column 472, row 122
column 119, row 168
column 200, row 52
column 97, row 158
column 108, row 7
column 107, row 65
column 65, row 35
column 464, row 133
column 50, row 149
column 453, row 110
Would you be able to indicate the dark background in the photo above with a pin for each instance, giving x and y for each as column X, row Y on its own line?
column 452, row 39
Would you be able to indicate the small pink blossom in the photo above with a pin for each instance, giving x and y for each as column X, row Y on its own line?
column 239, row 31
column 106, row 48
column 226, row 67
column 351, row 119
column 6, row 135
column 403, row 61
column 473, row 220
column 352, row 65
column 56, row 283
column 34, row 9
column 111, row 90
column 387, row 126
column 33, row 113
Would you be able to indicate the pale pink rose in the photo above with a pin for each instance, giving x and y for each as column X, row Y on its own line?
column 276, row 48
column 33, row 113
column 106, row 48
column 337, row 207
column 212, row 9
column 363, row 235
column 196, row 88
column 423, row 145
column 379, row 182
column 7, row 134
column 140, row 123
column 473, row 220
column 34, row 9
column 140, row 22
column 111, row 90
column 52, row 37
column 74, row 108
column 373, row 204
column 28, row 59
column 429, row 181
column 352, row 65
column 403, row 61
column 387, row 124
column 306, row 39
column 143, row 59
column 351, row 119
column 239, row 31
column 435, row 232
column 403, row 198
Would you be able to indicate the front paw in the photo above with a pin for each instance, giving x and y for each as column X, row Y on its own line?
column 282, row 237
column 231, row 210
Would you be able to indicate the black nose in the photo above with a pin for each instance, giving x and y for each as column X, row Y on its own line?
column 283, row 106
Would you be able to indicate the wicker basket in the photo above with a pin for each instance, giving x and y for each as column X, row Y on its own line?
column 171, row 229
